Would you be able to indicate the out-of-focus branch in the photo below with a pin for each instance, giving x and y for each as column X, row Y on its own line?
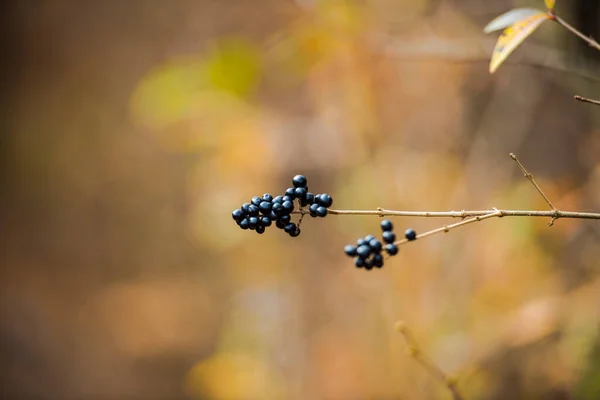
column 427, row 363
column 586, row 100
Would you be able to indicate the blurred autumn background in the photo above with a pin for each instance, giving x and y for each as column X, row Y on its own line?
column 134, row 128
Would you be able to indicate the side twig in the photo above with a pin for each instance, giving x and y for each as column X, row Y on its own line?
column 426, row 362
column 529, row 176
column 588, row 39
column 586, row 100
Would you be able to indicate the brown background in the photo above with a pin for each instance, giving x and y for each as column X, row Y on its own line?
column 124, row 276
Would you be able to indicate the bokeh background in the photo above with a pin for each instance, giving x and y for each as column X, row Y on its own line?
column 134, row 128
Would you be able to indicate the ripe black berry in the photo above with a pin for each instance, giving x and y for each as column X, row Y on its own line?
column 375, row 245
column 368, row 265
column 265, row 221
column 378, row 260
column 265, row 207
column 285, row 219
column 391, row 249
column 237, row 215
column 361, row 242
column 295, row 233
column 291, row 227
column 280, row 224
column 256, row 200
column 252, row 222
column 277, row 209
column 291, row 193
column 260, row 229
column 363, row 251
column 253, row 210
column 309, row 198
column 350, row 250
column 246, row 208
column 386, row 225
column 324, row 200
column 389, row 237
column 299, row 181
column 267, row 197
column 368, row 238
column 288, row 206
column 244, row 223
column 321, row 211
column 359, row 262
column 410, row 234
column 287, row 198
column 300, row 192
column 278, row 199
column 313, row 209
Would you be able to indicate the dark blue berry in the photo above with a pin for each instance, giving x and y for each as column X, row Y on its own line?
column 265, row 207
column 278, row 199
column 265, row 221
column 280, row 224
column 287, row 198
column 295, row 233
column 288, row 206
column 321, row 211
column 375, row 245
column 300, row 192
column 378, row 260
column 361, row 242
column 253, row 210
column 299, row 181
column 244, row 223
column 324, row 199
column 291, row 227
column 252, row 222
column 256, row 200
column 391, row 249
column 368, row 265
column 389, row 237
column 308, row 199
column 363, row 251
column 410, row 234
column 291, row 193
column 237, row 215
column 386, row 225
column 267, row 197
column 285, row 219
column 246, row 208
column 350, row 250
column 368, row 238
column 313, row 209
column 277, row 209
column 260, row 229
column 359, row 262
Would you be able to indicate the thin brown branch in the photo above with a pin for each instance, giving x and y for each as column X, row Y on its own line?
column 588, row 39
column 529, row 176
column 381, row 212
column 586, row 100
column 427, row 363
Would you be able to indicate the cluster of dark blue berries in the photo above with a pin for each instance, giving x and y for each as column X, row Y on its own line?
column 368, row 250
column 264, row 211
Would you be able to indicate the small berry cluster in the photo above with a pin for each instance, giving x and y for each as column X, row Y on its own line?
column 263, row 211
column 367, row 251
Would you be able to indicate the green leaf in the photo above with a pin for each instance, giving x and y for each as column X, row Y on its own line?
column 511, row 17
column 513, row 36
column 550, row 4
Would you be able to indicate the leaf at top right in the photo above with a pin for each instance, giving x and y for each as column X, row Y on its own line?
column 550, row 4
